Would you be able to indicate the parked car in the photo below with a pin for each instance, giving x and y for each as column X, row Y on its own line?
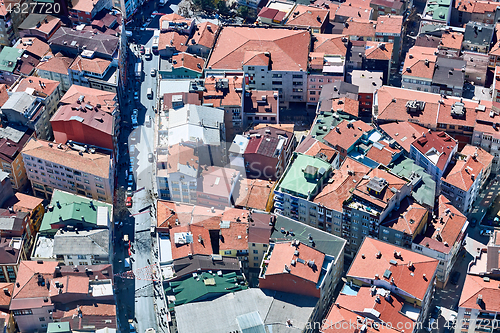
column 128, row 202
column 473, row 223
column 136, row 95
column 486, row 232
column 143, row 49
column 150, row 157
column 153, row 72
column 129, row 192
column 455, row 277
column 436, row 311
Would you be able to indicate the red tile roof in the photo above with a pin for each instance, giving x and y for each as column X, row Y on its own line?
column 420, row 62
column 374, row 51
column 23, row 202
column 172, row 39
column 4, row 96
column 464, row 173
column 408, row 218
column 381, row 199
column 189, row 61
column 34, row 45
column 5, row 297
column 205, row 34
column 483, row 156
column 383, row 155
column 96, row 65
column 56, row 64
column 445, row 230
column 451, row 40
column 403, row 132
column 218, row 97
column 284, row 253
column 342, row 182
column 288, row 49
column 348, row 9
column 196, row 247
column 41, row 85
column 440, row 142
column 181, row 155
column 348, row 133
column 330, row 44
column 235, row 237
column 106, row 99
column 308, row 17
column 390, row 24
column 476, row 6
column 98, row 120
column 259, row 230
column 254, row 193
column 413, row 280
column 474, row 287
column 359, row 28
column 312, row 147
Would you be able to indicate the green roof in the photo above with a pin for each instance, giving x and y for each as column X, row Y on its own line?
column 68, row 209
column 8, row 58
column 303, row 175
column 204, row 286
column 62, row 327
column 438, row 9
column 424, row 192
column 328, row 119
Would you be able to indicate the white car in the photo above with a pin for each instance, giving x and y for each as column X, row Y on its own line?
column 136, row 95
column 153, row 72
column 486, row 232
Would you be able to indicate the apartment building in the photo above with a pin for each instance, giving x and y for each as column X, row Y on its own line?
column 47, row 90
column 267, row 62
column 216, row 187
column 259, row 232
column 309, row 17
column 389, row 29
column 203, row 39
column 419, row 67
column 302, row 180
column 360, row 30
column 56, row 68
column 381, row 264
column 347, row 134
column 433, row 151
column 71, row 168
column 368, row 82
column 94, row 72
column 444, row 239
column 449, row 76
column 41, row 26
column 478, row 37
column 6, row 27
column 260, row 107
column 474, row 11
column 85, row 11
column 12, row 140
column 15, row 245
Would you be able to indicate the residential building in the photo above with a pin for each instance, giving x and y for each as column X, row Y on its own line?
column 404, row 223
column 477, row 67
column 268, row 152
column 233, row 240
column 480, row 155
column 255, row 194
column 6, row 27
column 203, row 39
column 372, row 200
column 276, row 12
column 309, row 17
column 184, row 66
column 5, row 187
column 65, row 212
column 316, row 82
column 37, row 298
column 367, row 82
column 235, row 310
column 433, row 151
column 449, row 76
column 312, row 147
column 171, row 42
column 9, row 60
column 347, row 134
column 474, row 11
column 216, row 187
column 33, row 46
column 444, row 239
column 85, row 11
column 477, row 301
column 260, row 107
column 48, row 91
column 450, row 44
column 196, row 263
column 41, row 26
column 27, row 109
column 106, row 101
column 56, row 68
column 382, row 265
column 419, row 68
column 302, row 180
column 12, row 140
column 389, row 29
column 391, row 7
column 68, row 167
column 378, row 57
column 300, row 269
column 85, row 247
column 259, row 232
column 438, row 12
column 478, row 37
column 76, row 122
column 250, row 51
column 4, row 95
column 14, row 246
column 462, row 183
column 346, row 10
column 404, row 133
column 93, row 72
column 83, row 314
column 178, row 23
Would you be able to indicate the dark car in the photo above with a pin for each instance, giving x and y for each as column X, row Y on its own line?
column 455, row 277
column 143, row 49
column 435, row 312
column 473, row 223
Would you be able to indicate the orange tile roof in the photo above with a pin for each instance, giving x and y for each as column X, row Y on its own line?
column 346, row 105
column 232, row 214
column 169, row 214
column 340, row 320
column 349, row 9
column 464, row 173
column 445, row 117
column 359, row 28
column 476, row 6
column 391, row 24
column 181, row 155
column 283, row 254
column 403, row 132
column 375, row 52
column 326, row 4
column 483, row 156
column 382, row 199
column 312, row 147
column 4, row 297
column 495, row 50
column 97, row 119
column 235, row 237
column 173, row 17
column 172, row 39
column 95, row 65
column 420, row 62
column 342, row 182
column 416, row 284
column 254, row 193
column 3, row 9
column 288, row 48
column 284, row 127
column 94, row 164
column 44, row 86
column 83, row 5
column 308, row 17
column 23, row 202
column 217, row 97
column 445, row 230
column 56, row 64
column 330, row 44
column 408, row 218
column 389, row 306
column 384, row 155
column 27, row 278
column 205, row 34
column 440, row 141
column 106, row 99
column 188, row 61
column 451, row 40
column 347, row 135
column 34, row 46
column 475, row 286
column 196, row 247
column 4, row 96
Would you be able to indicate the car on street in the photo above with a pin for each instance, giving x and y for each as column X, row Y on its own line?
column 143, row 49
column 150, row 157
column 118, row 224
column 486, row 232
column 455, row 277
column 150, row 93
column 153, row 72
column 473, row 223
column 436, row 311
column 129, row 192
column 128, row 202
column 136, row 95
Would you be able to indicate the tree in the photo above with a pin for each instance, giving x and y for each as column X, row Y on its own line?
column 222, row 8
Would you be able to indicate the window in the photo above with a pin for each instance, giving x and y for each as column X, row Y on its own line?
column 41, row 318
column 255, row 258
column 255, row 264
column 297, row 76
column 312, row 92
column 251, row 68
column 277, row 76
column 82, row 256
column 297, row 83
column 277, row 83
column 227, row 252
